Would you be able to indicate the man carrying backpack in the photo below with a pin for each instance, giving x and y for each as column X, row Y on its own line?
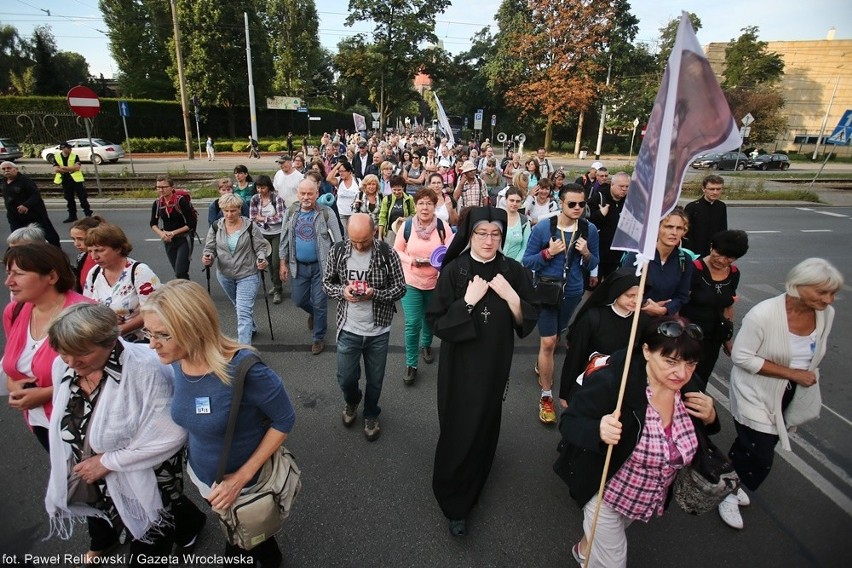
column 179, row 221
column 470, row 190
column 558, row 252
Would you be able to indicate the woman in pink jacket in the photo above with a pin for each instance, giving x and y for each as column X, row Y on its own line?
column 416, row 240
column 41, row 281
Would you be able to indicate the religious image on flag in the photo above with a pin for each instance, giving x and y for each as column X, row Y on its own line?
column 360, row 122
column 444, row 122
column 690, row 116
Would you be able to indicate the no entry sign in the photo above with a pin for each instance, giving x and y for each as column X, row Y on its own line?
column 84, row 102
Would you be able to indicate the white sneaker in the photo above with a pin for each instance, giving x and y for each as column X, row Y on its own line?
column 742, row 498
column 729, row 510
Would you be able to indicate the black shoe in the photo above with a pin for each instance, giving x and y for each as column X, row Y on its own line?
column 426, row 352
column 458, row 527
column 189, row 546
column 410, row 375
column 70, row 219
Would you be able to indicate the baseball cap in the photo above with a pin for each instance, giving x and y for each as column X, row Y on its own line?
column 284, row 158
column 64, row 144
column 444, row 163
column 597, row 165
column 362, row 144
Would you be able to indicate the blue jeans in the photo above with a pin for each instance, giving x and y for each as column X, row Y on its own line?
column 308, row 294
column 417, row 331
column 242, row 292
column 350, row 349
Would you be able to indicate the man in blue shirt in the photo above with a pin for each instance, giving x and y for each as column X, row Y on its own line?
column 306, row 237
column 559, row 249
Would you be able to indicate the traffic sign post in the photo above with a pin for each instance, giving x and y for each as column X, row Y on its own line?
column 477, row 119
column 124, row 112
column 84, row 102
column 840, row 136
column 197, row 120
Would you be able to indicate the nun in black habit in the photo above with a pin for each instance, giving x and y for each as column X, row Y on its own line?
column 481, row 300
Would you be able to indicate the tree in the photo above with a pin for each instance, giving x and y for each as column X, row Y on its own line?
column 748, row 64
column 301, row 64
column 139, row 39
column 550, row 56
column 72, row 69
column 22, row 83
column 14, row 59
column 214, row 54
column 46, row 71
column 668, row 35
column 766, row 106
column 401, row 26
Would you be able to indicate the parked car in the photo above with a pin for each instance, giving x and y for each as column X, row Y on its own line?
column 105, row 151
column 723, row 161
column 705, row 161
column 733, row 161
column 10, row 150
column 770, row 162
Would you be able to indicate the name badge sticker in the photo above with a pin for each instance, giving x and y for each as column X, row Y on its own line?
column 202, row 405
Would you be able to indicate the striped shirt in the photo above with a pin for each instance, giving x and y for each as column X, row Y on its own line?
column 638, row 490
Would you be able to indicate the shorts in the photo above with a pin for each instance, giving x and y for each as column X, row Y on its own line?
column 554, row 321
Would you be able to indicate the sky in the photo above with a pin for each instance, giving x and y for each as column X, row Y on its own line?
column 77, row 24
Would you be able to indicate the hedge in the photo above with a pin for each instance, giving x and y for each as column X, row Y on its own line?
column 46, row 120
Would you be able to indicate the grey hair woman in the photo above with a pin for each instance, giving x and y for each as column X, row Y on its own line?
column 32, row 233
column 111, row 428
column 775, row 378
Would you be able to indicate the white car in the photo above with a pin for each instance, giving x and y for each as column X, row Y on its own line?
column 105, row 151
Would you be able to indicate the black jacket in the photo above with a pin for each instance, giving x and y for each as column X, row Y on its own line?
column 582, row 453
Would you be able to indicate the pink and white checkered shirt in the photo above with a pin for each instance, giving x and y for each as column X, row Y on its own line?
column 638, row 490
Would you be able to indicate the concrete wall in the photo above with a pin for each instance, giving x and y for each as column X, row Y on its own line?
column 811, row 70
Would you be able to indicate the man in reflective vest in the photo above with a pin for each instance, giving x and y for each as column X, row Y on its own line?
column 66, row 166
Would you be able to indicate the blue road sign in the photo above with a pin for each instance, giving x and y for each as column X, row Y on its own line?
column 123, row 109
column 842, row 134
column 302, row 109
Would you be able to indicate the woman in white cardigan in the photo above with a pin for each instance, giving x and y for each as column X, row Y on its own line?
column 774, row 380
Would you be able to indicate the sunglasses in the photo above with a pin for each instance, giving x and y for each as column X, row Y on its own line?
column 675, row 329
column 573, row 204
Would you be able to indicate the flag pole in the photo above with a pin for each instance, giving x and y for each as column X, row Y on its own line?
column 630, row 348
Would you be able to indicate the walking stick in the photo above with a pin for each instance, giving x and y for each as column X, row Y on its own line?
column 207, row 270
column 266, row 299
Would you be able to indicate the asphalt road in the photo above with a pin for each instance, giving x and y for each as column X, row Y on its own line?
column 371, row 503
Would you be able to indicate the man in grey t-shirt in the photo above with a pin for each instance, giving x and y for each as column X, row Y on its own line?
column 365, row 276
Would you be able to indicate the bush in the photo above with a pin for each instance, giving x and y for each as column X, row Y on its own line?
column 275, row 147
column 238, row 146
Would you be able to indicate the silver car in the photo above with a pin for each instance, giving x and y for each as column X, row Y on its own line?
column 10, row 150
column 104, row 150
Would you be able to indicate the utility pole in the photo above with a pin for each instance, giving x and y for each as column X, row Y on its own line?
column 252, row 109
column 825, row 120
column 603, row 114
column 184, row 102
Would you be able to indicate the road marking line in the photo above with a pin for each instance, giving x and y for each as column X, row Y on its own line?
column 761, row 232
column 818, row 480
column 766, row 288
column 829, row 213
column 816, row 230
column 849, row 422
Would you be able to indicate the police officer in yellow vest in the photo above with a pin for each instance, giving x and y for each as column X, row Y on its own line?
column 66, row 166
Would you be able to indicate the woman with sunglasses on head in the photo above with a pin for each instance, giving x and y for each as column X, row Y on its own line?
column 112, row 427
column 184, row 328
column 444, row 210
column 654, row 436
column 41, row 281
column 775, row 377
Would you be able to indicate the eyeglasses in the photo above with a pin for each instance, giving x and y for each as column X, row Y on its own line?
column 156, row 336
column 484, row 236
column 676, row 329
column 573, row 204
